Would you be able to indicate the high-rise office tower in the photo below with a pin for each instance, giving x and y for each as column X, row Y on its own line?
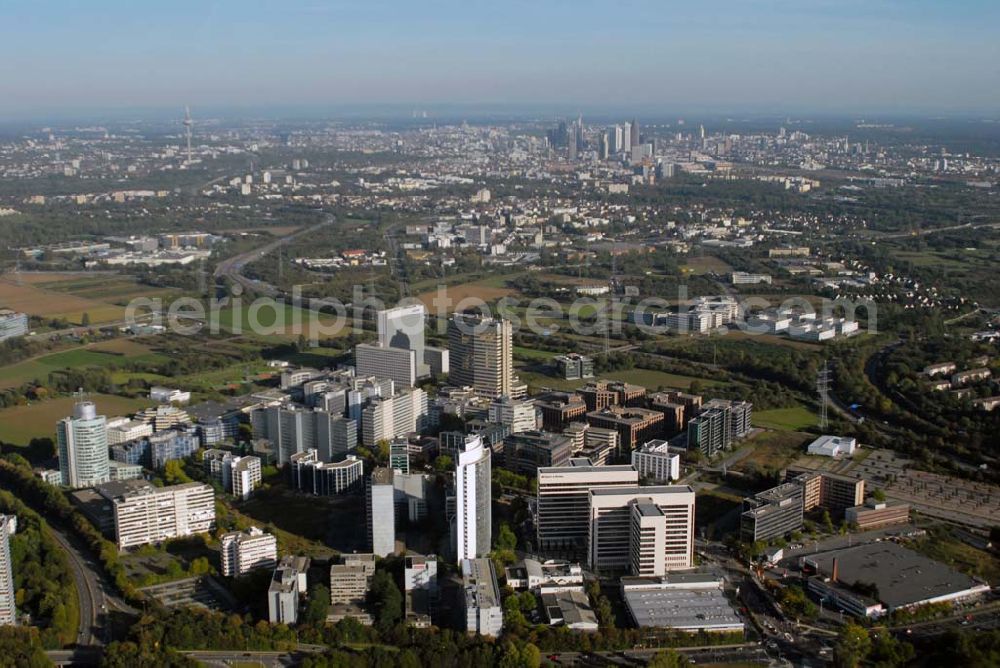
column 572, row 144
column 83, row 447
column 473, row 513
column 614, row 519
column 603, row 146
column 381, row 506
column 398, row 364
column 403, row 327
column 634, row 133
column 8, row 607
column 626, row 143
column 481, row 354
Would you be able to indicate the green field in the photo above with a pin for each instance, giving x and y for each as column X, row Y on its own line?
column 785, row 419
column 648, row 378
column 19, row 424
column 279, row 320
column 532, row 354
column 84, row 356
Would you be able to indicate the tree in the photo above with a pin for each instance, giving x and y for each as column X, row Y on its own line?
column 318, row 606
column 85, row 320
column 853, row 645
column 506, row 538
column 879, row 496
column 385, row 600
column 890, row 652
column 173, row 472
column 669, row 659
column 443, row 464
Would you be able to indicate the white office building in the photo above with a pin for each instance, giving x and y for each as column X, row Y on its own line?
column 380, row 497
column 518, row 414
column 8, row 603
column 473, row 511
column 245, row 551
column 380, row 361
column 563, row 518
column 611, row 524
column 386, row 418
column 83, row 447
column 481, row 598
column 123, row 430
column 238, row 476
column 403, row 328
column 155, row 514
column 655, row 462
column 833, row 446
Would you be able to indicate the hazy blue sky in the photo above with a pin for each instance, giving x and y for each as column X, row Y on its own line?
column 674, row 55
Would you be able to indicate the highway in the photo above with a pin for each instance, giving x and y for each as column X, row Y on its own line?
column 232, row 267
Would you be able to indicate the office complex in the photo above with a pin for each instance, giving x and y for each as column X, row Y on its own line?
column 123, row 430
column 610, row 540
column 481, row 597
column 517, row 414
column 678, row 409
column 311, row 475
column 719, row 423
column 473, row 522
column 875, row 514
column 155, row 450
column 12, row 324
column 8, row 600
column 238, row 476
column 243, row 551
column 351, row 578
column 604, row 393
column 380, row 505
column 420, row 587
column 397, row 364
column 288, row 585
column 634, row 425
column 574, row 366
column 481, row 356
column 385, row 418
column 559, row 409
column 402, row 328
column 83, row 447
column 655, row 462
column 293, row 430
column 155, row 514
column 399, row 455
column 779, row 510
column 563, row 521
column 526, row 452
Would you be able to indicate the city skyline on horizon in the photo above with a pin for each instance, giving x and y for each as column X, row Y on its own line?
column 772, row 56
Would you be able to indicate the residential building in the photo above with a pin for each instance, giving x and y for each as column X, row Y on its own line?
column 325, row 478
column 381, row 511
column 8, row 598
column 244, row 551
column 634, row 425
column 655, row 461
column 526, row 452
column 719, row 423
column 155, row 514
column 481, row 356
column 574, row 366
column 386, row 362
column 610, row 536
column 563, row 500
column 473, row 523
column 83, row 447
column 481, row 598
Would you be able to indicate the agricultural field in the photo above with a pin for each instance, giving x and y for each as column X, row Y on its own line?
column 103, row 297
column 282, row 320
column 485, row 290
column 19, row 424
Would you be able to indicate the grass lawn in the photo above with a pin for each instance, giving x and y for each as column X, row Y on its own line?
column 279, row 319
column 19, row 424
column 706, row 264
column 648, row 378
column 787, row 419
column 941, row 545
column 532, row 354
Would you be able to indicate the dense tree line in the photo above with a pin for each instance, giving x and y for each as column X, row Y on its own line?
column 43, row 582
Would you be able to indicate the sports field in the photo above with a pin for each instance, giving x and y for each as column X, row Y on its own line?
column 18, row 425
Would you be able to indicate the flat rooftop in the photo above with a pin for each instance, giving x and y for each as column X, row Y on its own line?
column 903, row 577
column 684, row 609
column 642, row 491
